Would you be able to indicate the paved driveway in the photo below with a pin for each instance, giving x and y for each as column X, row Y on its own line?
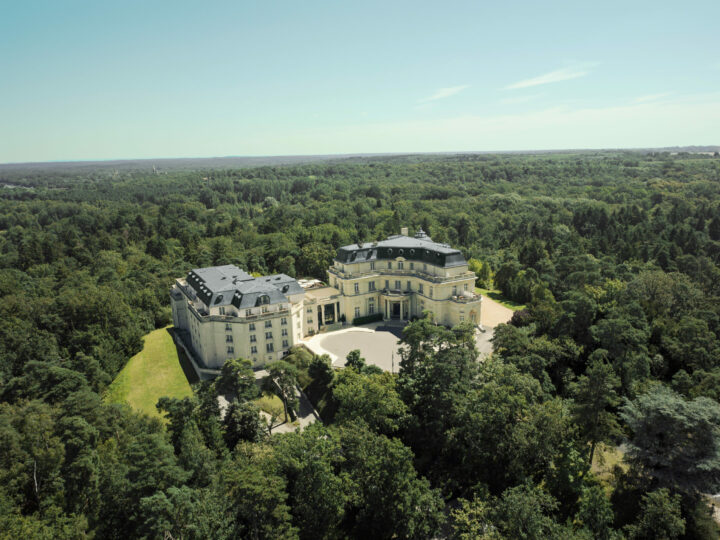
column 377, row 344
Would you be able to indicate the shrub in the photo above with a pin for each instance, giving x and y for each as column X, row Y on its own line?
column 367, row 319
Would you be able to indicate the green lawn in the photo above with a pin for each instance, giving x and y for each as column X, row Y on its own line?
column 499, row 298
column 271, row 404
column 151, row 374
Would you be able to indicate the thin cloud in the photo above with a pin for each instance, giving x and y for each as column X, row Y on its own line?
column 518, row 99
column 443, row 93
column 558, row 75
column 651, row 97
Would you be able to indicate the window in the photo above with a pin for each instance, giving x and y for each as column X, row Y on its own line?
column 371, row 306
column 357, row 311
column 372, row 265
column 265, row 309
column 309, row 310
column 228, row 338
column 252, row 326
column 431, row 292
column 425, row 267
column 268, row 335
column 462, row 318
column 230, row 350
column 269, row 347
column 268, row 324
column 228, row 327
column 222, row 311
column 454, row 290
column 389, row 265
column 253, row 339
column 283, row 320
column 248, row 312
column 253, row 349
column 420, row 288
column 409, row 286
column 357, row 288
column 371, row 286
column 310, row 321
column 412, row 266
column 285, row 343
column 284, row 331
column 400, row 266
column 465, row 287
column 398, row 286
column 387, row 284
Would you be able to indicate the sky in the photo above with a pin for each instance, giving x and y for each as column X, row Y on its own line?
column 128, row 79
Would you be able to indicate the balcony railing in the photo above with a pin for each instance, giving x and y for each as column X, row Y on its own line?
column 460, row 299
column 401, row 272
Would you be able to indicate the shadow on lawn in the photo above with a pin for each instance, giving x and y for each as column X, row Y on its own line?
column 185, row 363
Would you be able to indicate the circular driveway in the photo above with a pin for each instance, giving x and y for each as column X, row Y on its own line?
column 378, row 347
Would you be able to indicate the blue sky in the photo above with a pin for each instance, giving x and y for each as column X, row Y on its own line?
column 109, row 80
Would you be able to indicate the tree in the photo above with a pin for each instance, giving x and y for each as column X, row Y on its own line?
column 502, row 431
column 355, row 361
column 593, row 393
column 183, row 512
column 238, row 378
column 315, row 258
column 321, row 370
column 660, row 517
column 242, row 422
column 526, row 512
column 388, row 500
column 674, row 441
column 437, row 368
column 370, row 398
column 258, row 500
column 596, row 513
column 283, row 380
column 310, row 461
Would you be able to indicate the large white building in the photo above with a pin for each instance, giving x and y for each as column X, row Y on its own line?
column 222, row 312
column 402, row 277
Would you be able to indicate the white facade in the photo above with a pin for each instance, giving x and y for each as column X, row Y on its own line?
column 261, row 333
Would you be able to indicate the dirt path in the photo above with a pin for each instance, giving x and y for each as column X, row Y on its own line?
column 492, row 313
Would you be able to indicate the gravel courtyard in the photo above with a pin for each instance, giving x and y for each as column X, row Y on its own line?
column 378, row 342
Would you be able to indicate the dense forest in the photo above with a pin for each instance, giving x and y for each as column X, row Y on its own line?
column 616, row 256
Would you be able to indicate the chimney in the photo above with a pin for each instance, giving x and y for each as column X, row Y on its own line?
column 404, row 231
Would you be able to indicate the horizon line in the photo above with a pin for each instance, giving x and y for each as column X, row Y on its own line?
column 360, row 154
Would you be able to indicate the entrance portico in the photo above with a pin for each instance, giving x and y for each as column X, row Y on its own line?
column 396, row 306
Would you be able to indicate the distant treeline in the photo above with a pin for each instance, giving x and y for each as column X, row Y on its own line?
column 615, row 254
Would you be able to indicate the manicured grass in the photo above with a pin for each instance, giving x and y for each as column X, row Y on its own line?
column 499, row 298
column 154, row 372
column 271, row 404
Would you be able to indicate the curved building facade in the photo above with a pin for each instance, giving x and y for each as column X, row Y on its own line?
column 402, row 277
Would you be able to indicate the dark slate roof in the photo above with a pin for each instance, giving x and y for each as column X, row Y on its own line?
column 225, row 285
column 419, row 248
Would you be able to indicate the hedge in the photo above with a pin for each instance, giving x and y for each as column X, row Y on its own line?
column 367, row 319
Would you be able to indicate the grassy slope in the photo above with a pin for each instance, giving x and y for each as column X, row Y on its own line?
column 152, row 373
column 499, row 298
